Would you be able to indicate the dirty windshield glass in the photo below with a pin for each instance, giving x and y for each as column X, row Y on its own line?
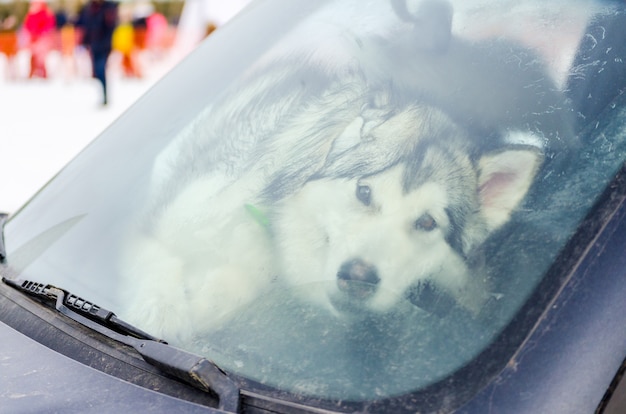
column 344, row 200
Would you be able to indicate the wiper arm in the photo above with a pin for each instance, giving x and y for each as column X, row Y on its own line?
column 3, row 252
column 193, row 369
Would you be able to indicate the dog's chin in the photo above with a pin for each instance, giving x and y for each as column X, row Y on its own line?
column 359, row 301
column 347, row 307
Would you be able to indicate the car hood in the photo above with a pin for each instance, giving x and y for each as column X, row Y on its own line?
column 38, row 379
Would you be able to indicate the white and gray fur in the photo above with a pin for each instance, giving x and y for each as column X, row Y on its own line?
column 436, row 135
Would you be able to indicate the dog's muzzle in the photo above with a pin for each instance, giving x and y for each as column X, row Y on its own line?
column 358, row 279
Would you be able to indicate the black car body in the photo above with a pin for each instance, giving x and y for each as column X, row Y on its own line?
column 549, row 337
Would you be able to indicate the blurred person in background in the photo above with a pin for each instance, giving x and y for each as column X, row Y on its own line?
column 157, row 34
column 124, row 42
column 8, row 42
column 39, row 24
column 141, row 11
column 65, row 39
column 67, row 44
column 97, row 22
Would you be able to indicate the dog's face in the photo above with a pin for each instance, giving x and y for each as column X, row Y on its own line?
column 372, row 240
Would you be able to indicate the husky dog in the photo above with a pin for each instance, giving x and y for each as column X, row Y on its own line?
column 362, row 177
column 420, row 219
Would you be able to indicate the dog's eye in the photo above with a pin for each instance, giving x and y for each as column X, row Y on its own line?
column 426, row 223
column 364, row 194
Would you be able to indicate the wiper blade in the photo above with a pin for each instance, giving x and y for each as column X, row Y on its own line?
column 3, row 252
column 193, row 369
column 77, row 308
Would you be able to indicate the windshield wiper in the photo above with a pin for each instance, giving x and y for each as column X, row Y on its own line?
column 3, row 252
column 193, row 369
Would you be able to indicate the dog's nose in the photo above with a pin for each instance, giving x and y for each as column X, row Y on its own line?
column 357, row 278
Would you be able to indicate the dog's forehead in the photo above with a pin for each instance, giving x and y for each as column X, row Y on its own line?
column 391, row 196
column 448, row 165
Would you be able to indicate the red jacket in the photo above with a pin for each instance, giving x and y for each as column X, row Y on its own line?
column 39, row 22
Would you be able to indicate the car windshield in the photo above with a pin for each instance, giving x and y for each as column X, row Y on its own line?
column 346, row 200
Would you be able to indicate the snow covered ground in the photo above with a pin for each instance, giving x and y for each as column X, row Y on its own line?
column 45, row 123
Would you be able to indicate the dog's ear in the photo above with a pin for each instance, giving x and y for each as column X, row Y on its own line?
column 503, row 180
